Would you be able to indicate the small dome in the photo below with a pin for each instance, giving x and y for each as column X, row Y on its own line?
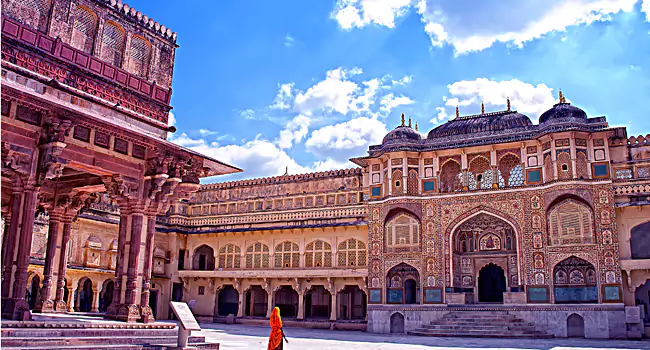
column 565, row 112
column 490, row 122
column 402, row 133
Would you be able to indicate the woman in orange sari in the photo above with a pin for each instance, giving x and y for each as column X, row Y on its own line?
column 275, row 338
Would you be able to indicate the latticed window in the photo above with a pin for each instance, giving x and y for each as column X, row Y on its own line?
column 511, row 171
column 83, row 31
column 230, row 257
column 570, row 222
column 450, row 177
column 318, row 254
column 352, row 252
column 112, row 43
column 479, row 175
column 402, row 234
column 624, row 174
column 564, row 168
column 548, row 167
column 287, row 254
column 33, row 13
column 581, row 165
column 257, row 256
column 140, row 54
column 397, row 186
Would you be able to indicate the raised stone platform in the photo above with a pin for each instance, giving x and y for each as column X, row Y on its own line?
column 600, row 321
column 82, row 332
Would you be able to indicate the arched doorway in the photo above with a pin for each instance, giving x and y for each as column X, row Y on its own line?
column 33, row 291
column 228, row 301
column 287, row 300
column 318, row 303
column 575, row 326
column 397, row 323
column 85, row 295
column 203, row 258
column 256, row 302
column 352, row 303
column 640, row 241
column 491, row 284
column 106, row 296
column 575, row 281
column 403, row 285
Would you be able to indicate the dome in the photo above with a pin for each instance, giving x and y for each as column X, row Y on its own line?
column 489, row 122
column 564, row 111
column 402, row 133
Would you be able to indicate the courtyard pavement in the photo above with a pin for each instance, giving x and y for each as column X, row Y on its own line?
column 237, row 337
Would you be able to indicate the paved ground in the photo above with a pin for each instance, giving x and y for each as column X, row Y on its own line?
column 237, row 337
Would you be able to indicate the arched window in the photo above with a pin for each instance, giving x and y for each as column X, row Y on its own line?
column 83, row 30
column 640, row 241
column 511, row 171
column 548, row 168
column 402, row 234
column 113, row 37
column 33, row 13
column 257, row 256
column 412, row 183
column 140, row 54
column 581, row 164
column 287, row 254
column 564, row 168
column 318, row 254
column 352, row 252
column 203, row 258
column 480, row 174
column 575, row 281
column 570, row 222
column 230, row 257
column 93, row 252
column 397, row 186
column 450, row 177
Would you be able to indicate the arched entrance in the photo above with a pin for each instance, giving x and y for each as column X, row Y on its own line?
column 575, row 281
column 106, row 296
column 228, row 301
column 318, row 303
column 85, row 295
column 203, row 258
column 484, row 239
column 33, row 291
column 352, row 303
column 287, row 300
column 403, row 285
column 575, row 326
column 256, row 302
column 640, row 241
column 491, row 284
column 397, row 323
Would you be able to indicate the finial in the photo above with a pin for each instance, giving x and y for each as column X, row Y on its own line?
column 457, row 112
column 562, row 99
column 409, row 122
column 286, row 171
column 416, row 126
column 482, row 108
column 402, row 119
column 508, row 104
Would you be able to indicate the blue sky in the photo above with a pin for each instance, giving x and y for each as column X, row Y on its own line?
column 306, row 85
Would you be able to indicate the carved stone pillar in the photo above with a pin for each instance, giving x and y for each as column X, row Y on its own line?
column 45, row 303
column 17, row 307
column 242, row 303
column 130, row 310
column 70, row 301
column 60, row 304
column 269, row 301
column 333, row 305
column 112, row 310
column 301, row 304
column 9, row 243
column 95, row 305
column 145, row 309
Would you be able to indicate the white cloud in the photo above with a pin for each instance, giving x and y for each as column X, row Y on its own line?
column 358, row 13
column 389, row 101
column 294, row 131
column 442, row 115
column 171, row 119
column 288, row 40
column 206, row 132
column 645, row 8
column 405, row 80
column 334, row 93
column 248, row 114
column 474, row 25
column 284, row 98
column 526, row 98
column 339, row 141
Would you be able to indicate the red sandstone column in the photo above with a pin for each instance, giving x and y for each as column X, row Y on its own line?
column 113, row 309
column 45, row 303
column 145, row 310
column 60, row 304
column 17, row 306
column 129, row 312
column 9, row 243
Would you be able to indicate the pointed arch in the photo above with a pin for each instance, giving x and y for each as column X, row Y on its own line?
column 84, row 29
column 230, row 256
column 450, row 176
column 287, row 255
column 352, row 252
column 318, row 253
column 257, row 256
column 113, row 41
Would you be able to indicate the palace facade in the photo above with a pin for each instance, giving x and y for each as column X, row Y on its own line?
column 549, row 222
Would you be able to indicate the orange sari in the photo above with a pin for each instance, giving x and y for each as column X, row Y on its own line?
column 275, row 338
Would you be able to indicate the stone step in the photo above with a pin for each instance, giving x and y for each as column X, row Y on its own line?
column 482, row 327
column 480, row 320
column 91, row 342
column 472, row 322
column 466, row 333
column 74, row 347
column 85, row 332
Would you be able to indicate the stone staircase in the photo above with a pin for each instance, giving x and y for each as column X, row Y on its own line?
column 95, row 337
column 480, row 323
